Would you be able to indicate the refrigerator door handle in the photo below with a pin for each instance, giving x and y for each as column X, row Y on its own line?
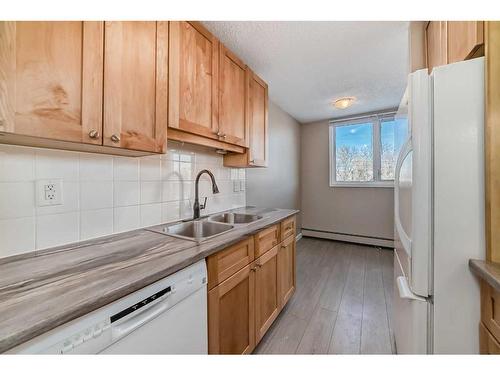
column 405, row 291
column 405, row 240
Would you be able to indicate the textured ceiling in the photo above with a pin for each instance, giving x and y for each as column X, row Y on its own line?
column 307, row 64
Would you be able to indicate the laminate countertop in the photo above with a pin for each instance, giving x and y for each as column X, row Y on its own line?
column 488, row 271
column 45, row 289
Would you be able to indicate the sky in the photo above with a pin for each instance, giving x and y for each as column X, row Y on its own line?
column 361, row 134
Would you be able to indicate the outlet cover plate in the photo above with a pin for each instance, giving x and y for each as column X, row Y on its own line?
column 49, row 192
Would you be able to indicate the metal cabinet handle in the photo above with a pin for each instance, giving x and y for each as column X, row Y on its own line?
column 115, row 138
column 94, row 134
column 252, row 161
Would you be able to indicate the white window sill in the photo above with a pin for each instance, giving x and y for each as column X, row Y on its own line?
column 377, row 184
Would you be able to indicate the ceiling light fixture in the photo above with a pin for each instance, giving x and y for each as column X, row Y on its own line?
column 344, row 103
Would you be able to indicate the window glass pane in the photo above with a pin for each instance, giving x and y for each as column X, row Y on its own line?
column 393, row 133
column 354, row 152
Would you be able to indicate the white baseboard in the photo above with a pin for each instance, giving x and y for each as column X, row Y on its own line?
column 348, row 238
column 298, row 236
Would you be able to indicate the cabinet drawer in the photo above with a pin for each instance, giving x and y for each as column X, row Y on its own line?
column 227, row 262
column 287, row 227
column 265, row 240
column 490, row 309
column 487, row 343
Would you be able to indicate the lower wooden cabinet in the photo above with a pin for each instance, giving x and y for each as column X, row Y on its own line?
column 487, row 343
column 245, row 295
column 231, row 314
column 286, row 270
column 267, row 305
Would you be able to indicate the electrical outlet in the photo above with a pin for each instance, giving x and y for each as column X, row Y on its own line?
column 49, row 192
column 236, row 186
column 242, row 185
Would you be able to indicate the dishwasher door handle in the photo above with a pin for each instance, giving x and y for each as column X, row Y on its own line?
column 123, row 329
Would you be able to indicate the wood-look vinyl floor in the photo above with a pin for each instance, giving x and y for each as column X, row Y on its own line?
column 342, row 303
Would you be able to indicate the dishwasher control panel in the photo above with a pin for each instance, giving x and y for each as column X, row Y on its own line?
column 87, row 341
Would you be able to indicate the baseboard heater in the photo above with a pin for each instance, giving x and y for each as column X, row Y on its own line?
column 348, row 237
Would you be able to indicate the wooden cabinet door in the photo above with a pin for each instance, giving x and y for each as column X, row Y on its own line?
column 286, row 270
column 135, row 85
column 266, row 292
column 233, row 86
column 464, row 39
column 193, row 84
column 51, row 79
column 436, row 44
column 231, row 314
column 258, row 122
column 487, row 343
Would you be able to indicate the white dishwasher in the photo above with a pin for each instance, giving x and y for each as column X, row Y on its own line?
column 166, row 317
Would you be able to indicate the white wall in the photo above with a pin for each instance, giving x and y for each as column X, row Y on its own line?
column 103, row 194
column 278, row 185
column 354, row 211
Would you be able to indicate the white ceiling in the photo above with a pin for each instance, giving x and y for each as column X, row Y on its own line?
column 307, row 64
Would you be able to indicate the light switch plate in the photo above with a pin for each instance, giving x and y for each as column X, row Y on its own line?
column 242, row 185
column 236, row 186
column 49, row 192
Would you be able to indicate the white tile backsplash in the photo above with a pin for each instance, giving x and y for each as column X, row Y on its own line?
column 96, row 194
column 16, row 164
column 56, row 164
column 126, row 169
column 103, row 194
column 126, row 193
column 17, row 236
column 17, row 199
column 96, row 167
column 96, row 223
column 126, row 218
column 53, row 230
column 150, row 214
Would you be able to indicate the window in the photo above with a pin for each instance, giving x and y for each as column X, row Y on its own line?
column 364, row 151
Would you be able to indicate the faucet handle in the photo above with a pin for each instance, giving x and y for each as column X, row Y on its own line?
column 202, row 207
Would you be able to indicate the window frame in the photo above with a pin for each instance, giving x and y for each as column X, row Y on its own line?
column 376, row 122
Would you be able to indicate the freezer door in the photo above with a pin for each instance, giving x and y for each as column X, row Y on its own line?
column 410, row 316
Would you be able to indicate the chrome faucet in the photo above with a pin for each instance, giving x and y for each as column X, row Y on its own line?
column 215, row 190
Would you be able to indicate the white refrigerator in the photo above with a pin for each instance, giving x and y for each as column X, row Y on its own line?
column 439, row 211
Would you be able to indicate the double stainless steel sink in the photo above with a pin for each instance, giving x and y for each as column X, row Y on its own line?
column 205, row 229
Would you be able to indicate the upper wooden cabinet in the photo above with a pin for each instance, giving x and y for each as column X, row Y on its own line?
column 135, row 85
column 51, row 79
column 453, row 41
column 93, row 84
column 193, row 84
column 436, row 44
column 464, row 39
column 233, row 86
column 257, row 154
